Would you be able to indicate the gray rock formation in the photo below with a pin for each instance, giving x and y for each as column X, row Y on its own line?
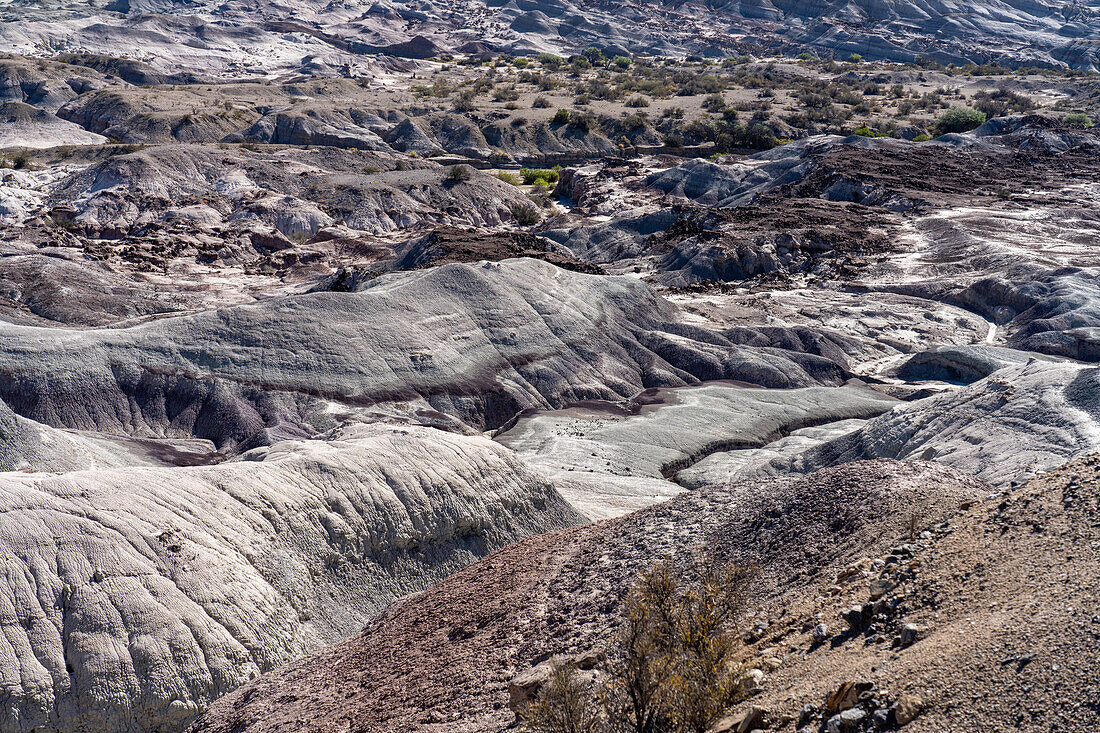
column 1018, row 421
column 611, row 459
column 24, row 126
column 476, row 342
column 137, row 596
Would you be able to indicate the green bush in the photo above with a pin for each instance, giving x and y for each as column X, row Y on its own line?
column 958, row 119
column 533, row 175
column 622, row 62
column 1078, row 119
column 922, row 138
column 507, row 177
column 561, row 117
column 582, row 121
column 855, row 58
column 550, row 61
column 806, row 56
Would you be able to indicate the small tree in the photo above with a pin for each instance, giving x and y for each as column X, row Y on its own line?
column 958, row 119
column 594, row 56
column 674, row 663
column 622, row 62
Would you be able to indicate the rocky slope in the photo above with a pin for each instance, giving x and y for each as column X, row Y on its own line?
column 996, row 629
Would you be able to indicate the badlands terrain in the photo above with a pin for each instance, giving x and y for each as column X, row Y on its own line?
column 356, row 358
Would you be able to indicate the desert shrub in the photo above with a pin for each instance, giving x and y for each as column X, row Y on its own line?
column 701, row 130
column 564, row 705
column 525, row 214
column 846, row 95
column 561, row 117
column 958, row 119
column 714, row 103
column 533, row 175
column 633, row 122
column 673, row 141
column 1001, row 102
column 1078, row 119
column 622, row 62
column 506, row 94
column 464, row 102
column 854, row 58
column 550, row 61
column 582, row 121
column 540, row 103
column 755, row 135
column 814, row 100
column 806, row 56
column 637, row 101
column 507, row 177
column 674, row 113
column 673, row 666
column 864, row 130
column 921, row 138
column 458, row 174
column 690, row 85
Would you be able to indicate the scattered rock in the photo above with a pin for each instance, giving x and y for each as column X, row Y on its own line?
column 742, row 722
column 907, row 708
column 853, row 617
column 751, row 682
column 847, row 695
column 848, row 720
column 880, row 587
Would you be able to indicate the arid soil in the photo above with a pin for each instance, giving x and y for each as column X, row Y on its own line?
column 997, row 588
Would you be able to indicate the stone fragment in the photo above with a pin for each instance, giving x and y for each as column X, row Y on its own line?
column 907, row 708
